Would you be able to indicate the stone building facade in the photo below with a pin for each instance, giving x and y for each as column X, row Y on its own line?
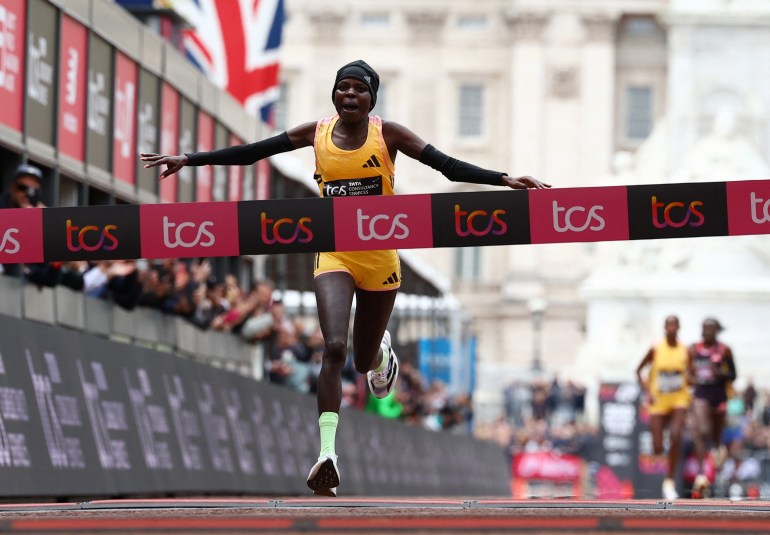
column 574, row 92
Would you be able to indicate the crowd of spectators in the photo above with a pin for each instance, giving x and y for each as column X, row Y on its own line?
column 542, row 416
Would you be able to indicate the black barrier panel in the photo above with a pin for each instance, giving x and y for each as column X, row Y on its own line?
column 91, row 233
column 286, row 226
column 99, row 103
column 478, row 218
column 147, row 128
column 187, row 143
column 626, row 444
column 677, row 210
column 85, row 416
column 42, row 53
column 619, row 415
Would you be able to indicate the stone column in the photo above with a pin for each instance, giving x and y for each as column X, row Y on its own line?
column 425, row 73
column 597, row 97
column 527, row 87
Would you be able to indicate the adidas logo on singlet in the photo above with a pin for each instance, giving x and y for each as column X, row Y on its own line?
column 372, row 162
column 390, row 280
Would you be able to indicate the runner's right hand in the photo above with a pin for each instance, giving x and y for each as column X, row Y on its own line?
column 173, row 163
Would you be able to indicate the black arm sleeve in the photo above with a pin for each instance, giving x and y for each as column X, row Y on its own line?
column 457, row 170
column 242, row 154
column 728, row 370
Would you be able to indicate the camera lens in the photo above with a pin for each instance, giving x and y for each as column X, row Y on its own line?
column 33, row 194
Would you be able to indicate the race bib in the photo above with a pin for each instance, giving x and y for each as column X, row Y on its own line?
column 704, row 372
column 670, row 381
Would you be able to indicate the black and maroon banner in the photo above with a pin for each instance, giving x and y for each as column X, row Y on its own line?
column 387, row 222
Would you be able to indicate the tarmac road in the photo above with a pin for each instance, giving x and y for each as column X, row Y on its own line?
column 384, row 516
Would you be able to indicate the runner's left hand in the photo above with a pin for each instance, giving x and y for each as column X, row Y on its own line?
column 523, row 182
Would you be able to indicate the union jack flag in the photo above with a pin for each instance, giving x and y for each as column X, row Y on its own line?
column 236, row 43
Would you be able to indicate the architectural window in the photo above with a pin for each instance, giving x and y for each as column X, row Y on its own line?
column 468, row 263
column 640, row 26
column 471, row 111
column 638, row 112
column 281, row 108
column 472, row 22
column 382, row 101
column 375, row 19
column 641, row 66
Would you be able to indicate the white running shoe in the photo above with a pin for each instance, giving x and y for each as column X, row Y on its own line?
column 324, row 477
column 669, row 490
column 382, row 383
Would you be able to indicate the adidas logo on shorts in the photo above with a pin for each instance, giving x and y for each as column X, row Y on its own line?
column 390, row 280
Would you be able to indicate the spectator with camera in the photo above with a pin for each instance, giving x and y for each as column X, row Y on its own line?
column 26, row 188
column 26, row 191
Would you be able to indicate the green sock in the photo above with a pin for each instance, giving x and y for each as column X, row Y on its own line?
column 383, row 362
column 327, row 423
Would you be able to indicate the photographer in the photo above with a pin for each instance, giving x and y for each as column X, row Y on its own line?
column 25, row 192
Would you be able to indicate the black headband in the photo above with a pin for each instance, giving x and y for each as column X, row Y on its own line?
column 359, row 70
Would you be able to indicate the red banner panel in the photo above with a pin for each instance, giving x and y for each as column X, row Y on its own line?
column 169, row 138
column 124, row 133
column 12, row 37
column 72, row 88
column 748, row 207
column 189, row 230
column 547, row 466
column 21, row 235
column 382, row 222
column 235, row 176
column 262, row 180
column 578, row 214
column 204, row 179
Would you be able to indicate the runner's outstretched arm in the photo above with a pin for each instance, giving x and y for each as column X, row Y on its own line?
column 295, row 138
column 399, row 138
